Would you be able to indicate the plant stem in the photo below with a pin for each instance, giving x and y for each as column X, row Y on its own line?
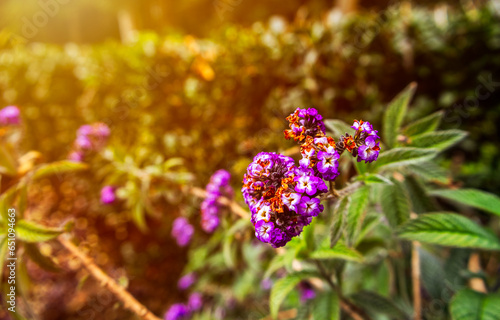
column 345, row 304
column 232, row 205
column 415, row 277
column 129, row 302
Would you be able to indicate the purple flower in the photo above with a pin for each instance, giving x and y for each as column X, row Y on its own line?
column 182, row 231
column 209, row 223
column 186, row 281
column 304, row 123
column 83, row 143
column 84, row 130
column 263, row 230
column 369, row 151
column 328, row 164
column 76, row 156
column 266, row 284
column 108, row 195
column 177, row 311
column 195, row 301
column 291, row 200
column 310, row 207
column 365, row 126
column 305, row 184
column 306, row 291
column 10, row 115
column 221, row 177
column 272, row 189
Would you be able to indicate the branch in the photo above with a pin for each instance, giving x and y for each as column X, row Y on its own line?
column 129, row 302
column 346, row 305
column 232, row 205
column 415, row 279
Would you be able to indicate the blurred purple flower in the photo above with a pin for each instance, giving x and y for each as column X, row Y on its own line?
column 182, row 231
column 195, row 301
column 187, row 281
column 108, row 195
column 177, row 311
column 76, row 156
column 306, row 291
column 10, row 115
column 266, row 284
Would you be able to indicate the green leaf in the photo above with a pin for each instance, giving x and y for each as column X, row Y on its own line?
column 399, row 157
column 338, row 127
column 3, row 253
column 373, row 178
column 393, row 117
column 327, row 307
column 36, row 256
column 138, row 216
column 339, row 220
column 340, row 251
column 468, row 304
column 424, row 125
column 282, row 288
column 472, row 197
column 7, row 161
column 420, row 200
column 395, row 203
column 377, row 304
column 280, row 261
column 429, row 171
column 58, row 167
column 449, row 229
column 32, row 232
column 6, row 202
column 356, row 215
column 438, row 140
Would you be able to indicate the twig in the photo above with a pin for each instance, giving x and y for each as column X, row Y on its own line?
column 335, row 194
column 415, row 278
column 232, row 205
column 346, row 305
column 474, row 266
column 129, row 302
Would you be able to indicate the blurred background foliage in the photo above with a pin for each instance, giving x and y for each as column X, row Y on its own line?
column 185, row 79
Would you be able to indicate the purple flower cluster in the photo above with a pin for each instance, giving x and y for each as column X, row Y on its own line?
column 89, row 138
column 306, row 291
column 321, row 155
column 178, row 311
column 108, row 195
column 217, row 187
column 181, row 311
column 282, row 198
column 186, row 281
column 305, row 123
column 182, row 231
column 10, row 115
column 368, row 147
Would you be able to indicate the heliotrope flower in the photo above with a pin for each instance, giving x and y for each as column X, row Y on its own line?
column 365, row 126
column 108, row 195
column 195, row 301
column 10, row 115
column 89, row 138
column 275, row 189
column 306, row 291
column 217, row 187
column 182, row 231
column 282, row 197
column 304, row 123
column 177, row 311
column 369, row 151
column 186, row 281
